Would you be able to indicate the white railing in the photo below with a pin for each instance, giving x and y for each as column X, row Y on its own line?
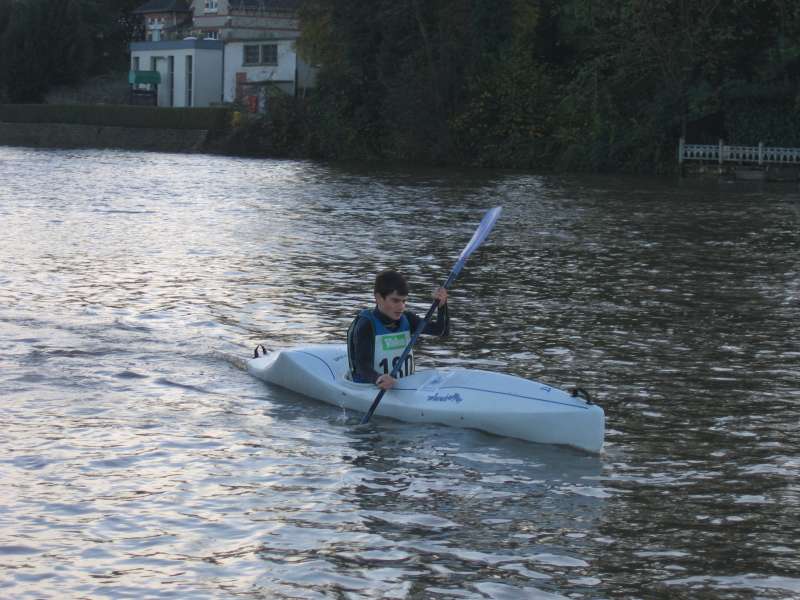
column 721, row 153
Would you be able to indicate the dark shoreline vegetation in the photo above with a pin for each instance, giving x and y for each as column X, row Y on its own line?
column 569, row 85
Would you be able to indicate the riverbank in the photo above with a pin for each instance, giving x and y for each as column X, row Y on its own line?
column 69, row 135
column 116, row 126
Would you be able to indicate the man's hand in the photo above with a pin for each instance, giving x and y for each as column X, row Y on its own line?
column 441, row 295
column 385, row 382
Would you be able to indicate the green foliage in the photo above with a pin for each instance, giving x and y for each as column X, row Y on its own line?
column 50, row 42
column 112, row 27
column 645, row 73
column 565, row 84
column 774, row 122
column 25, row 71
column 285, row 131
column 571, row 84
column 434, row 81
column 506, row 120
column 68, row 42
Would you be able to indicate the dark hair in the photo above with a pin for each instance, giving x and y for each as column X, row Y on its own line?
column 389, row 281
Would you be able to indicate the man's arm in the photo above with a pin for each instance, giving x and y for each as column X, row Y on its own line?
column 439, row 327
column 364, row 351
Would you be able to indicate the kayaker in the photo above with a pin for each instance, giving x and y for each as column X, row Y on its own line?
column 376, row 338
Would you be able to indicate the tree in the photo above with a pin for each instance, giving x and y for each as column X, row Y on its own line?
column 25, row 50
column 645, row 72
column 579, row 84
column 505, row 118
column 6, row 7
column 408, row 76
column 68, row 42
column 51, row 42
column 112, row 26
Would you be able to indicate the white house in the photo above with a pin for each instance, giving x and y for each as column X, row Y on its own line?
column 227, row 51
column 191, row 70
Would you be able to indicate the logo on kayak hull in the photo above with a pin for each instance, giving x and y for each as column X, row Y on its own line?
column 454, row 397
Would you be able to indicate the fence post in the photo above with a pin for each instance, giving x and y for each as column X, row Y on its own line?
column 680, row 150
column 720, row 151
column 760, row 153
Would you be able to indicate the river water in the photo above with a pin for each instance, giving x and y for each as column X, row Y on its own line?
column 138, row 460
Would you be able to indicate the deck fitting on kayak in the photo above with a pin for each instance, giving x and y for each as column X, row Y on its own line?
column 263, row 351
column 578, row 392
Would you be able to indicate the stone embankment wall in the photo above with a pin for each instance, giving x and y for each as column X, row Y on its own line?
column 741, row 172
column 62, row 135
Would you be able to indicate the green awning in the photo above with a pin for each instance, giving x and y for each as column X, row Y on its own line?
column 151, row 77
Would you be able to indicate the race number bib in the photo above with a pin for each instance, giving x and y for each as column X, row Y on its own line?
column 388, row 348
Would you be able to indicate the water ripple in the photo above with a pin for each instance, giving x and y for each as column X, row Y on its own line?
column 138, row 460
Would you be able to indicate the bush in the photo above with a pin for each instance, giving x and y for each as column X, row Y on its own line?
column 774, row 123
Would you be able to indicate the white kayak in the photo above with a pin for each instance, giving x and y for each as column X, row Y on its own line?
column 477, row 399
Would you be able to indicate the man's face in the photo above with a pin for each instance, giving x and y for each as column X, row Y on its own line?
column 392, row 305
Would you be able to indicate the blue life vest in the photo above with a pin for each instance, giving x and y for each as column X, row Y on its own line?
column 389, row 345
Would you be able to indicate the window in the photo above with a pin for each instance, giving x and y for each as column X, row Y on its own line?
column 189, row 80
column 251, row 56
column 269, row 54
column 265, row 54
column 212, row 5
column 211, row 35
column 136, row 62
column 170, row 80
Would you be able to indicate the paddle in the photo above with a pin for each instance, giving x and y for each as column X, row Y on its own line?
column 477, row 239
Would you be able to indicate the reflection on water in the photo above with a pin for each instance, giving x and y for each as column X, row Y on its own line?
column 138, row 462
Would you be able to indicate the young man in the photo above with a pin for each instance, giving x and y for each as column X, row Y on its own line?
column 377, row 337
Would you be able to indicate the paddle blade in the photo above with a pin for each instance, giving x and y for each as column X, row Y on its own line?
column 481, row 232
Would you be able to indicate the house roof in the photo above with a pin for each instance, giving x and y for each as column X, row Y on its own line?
column 155, row 6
